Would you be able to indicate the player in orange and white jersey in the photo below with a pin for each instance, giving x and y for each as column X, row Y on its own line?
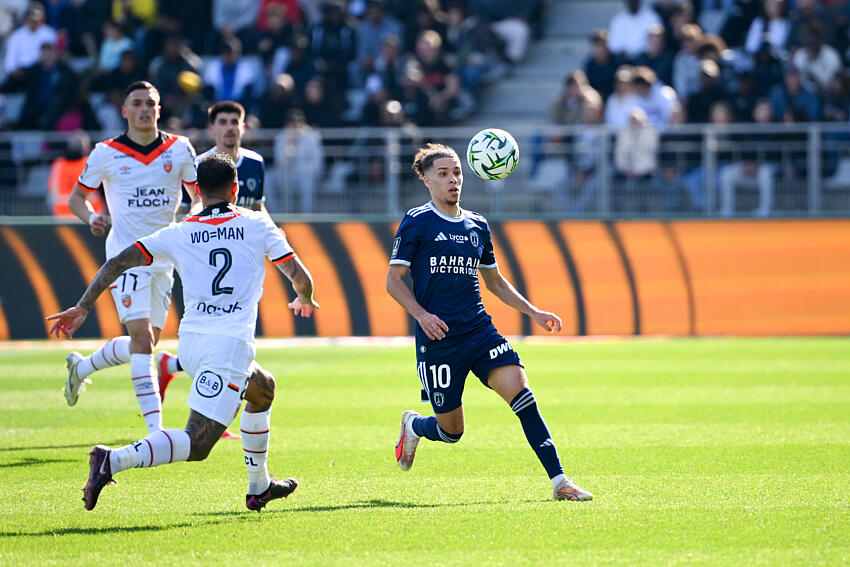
column 143, row 172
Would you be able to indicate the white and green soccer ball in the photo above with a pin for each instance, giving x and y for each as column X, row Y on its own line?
column 492, row 154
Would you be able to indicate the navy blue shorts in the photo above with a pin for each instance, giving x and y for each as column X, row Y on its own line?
column 444, row 365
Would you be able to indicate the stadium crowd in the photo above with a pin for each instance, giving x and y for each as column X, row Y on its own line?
column 339, row 61
column 670, row 62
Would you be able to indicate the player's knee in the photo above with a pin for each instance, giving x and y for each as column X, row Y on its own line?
column 261, row 389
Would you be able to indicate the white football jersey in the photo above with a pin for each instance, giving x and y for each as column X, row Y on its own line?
column 143, row 185
column 220, row 256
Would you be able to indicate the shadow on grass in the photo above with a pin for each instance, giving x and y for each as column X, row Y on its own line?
column 33, row 461
column 363, row 504
column 49, row 447
column 111, row 529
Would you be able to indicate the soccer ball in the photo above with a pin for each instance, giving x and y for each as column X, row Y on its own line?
column 492, row 154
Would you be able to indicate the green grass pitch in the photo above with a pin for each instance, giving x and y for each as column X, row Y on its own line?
column 699, row 452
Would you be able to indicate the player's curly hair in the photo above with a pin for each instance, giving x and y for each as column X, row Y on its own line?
column 425, row 157
column 216, row 174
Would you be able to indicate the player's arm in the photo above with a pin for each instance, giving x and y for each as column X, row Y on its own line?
column 71, row 319
column 434, row 327
column 302, row 283
column 502, row 288
column 78, row 202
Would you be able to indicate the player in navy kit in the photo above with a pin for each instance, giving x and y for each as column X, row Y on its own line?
column 443, row 248
column 227, row 124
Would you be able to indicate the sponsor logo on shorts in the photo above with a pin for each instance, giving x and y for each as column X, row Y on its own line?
column 499, row 350
column 126, row 300
column 422, row 349
column 439, row 399
column 209, row 384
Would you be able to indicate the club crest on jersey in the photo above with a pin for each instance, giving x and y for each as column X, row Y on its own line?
column 126, row 300
column 124, row 170
column 473, row 238
column 167, row 166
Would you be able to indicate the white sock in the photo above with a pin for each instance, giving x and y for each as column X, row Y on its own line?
column 158, row 448
column 557, row 480
column 172, row 365
column 116, row 351
column 147, row 389
column 255, row 444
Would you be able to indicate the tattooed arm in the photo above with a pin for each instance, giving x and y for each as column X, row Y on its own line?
column 302, row 283
column 71, row 319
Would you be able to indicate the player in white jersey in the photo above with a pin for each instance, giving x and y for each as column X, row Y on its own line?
column 227, row 124
column 143, row 173
column 221, row 253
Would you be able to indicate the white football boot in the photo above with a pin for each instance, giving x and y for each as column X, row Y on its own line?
column 405, row 449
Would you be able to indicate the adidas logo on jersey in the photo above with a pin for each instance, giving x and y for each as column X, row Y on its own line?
column 439, row 237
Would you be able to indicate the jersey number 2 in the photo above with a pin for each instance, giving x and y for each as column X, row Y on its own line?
column 227, row 262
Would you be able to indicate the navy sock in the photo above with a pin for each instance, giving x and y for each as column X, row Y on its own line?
column 428, row 428
column 525, row 407
column 179, row 366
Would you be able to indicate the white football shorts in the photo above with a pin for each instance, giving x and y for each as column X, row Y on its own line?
column 220, row 367
column 141, row 293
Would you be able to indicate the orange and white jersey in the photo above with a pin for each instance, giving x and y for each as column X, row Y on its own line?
column 143, row 184
column 220, row 256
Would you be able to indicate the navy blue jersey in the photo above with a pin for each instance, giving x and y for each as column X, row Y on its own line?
column 444, row 255
column 251, row 171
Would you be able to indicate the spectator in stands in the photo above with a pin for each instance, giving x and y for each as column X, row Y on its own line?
column 289, row 8
column 108, row 113
column 279, row 33
column 473, row 47
column 164, row 69
column 129, row 70
column 298, row 63
column 680, row 151
column 657, row 57
column 64, row 172
column 791, row 93
column 654, row 97
column 114, row 44
column 78, row 114
column 50, row 88
column 804, row 12
column 371, row 31
column 618, row 107
column 629, row 29
column 836, row 99
column 414, row 98
column 320, row 111
column 233, row 77
column 422, row 15
column 711, row 90
column 62, row 17
column 439, row 81
column 568, row 106
column 508, row 19
column 588, row 156
column 234, row 18
column 817, row 62
column 600, row 66
column 768, row 70
column 299, row 161
column 333, row 44
column 772, row 27
column 636, row 147
column 743, row 97
column 695, row 181
column 757, row 167
column 23, row 47
column 280, row 99
column 389, row 66
column 686, row 64
column 680, row 14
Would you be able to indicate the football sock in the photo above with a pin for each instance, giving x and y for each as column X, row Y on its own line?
column 158, row 448
column 172, row 365
column 114, row 352
column 525, row 407
column 428, row 428
column 255, row 443
column 147, row 389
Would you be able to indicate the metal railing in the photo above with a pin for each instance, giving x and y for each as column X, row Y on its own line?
column 699, row 170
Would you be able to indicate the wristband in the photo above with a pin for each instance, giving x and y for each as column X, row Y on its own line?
column 92, row 217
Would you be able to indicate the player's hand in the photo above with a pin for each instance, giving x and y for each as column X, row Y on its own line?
column 301, row 308
column 434, row 327
column 99, row 225
column 68, row 321
column 549, row 321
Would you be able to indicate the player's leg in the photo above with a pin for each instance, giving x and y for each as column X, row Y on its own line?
column 255, row 425
column 114, row 352
column 511, row 383
column 142, row 373
column 442, row 373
